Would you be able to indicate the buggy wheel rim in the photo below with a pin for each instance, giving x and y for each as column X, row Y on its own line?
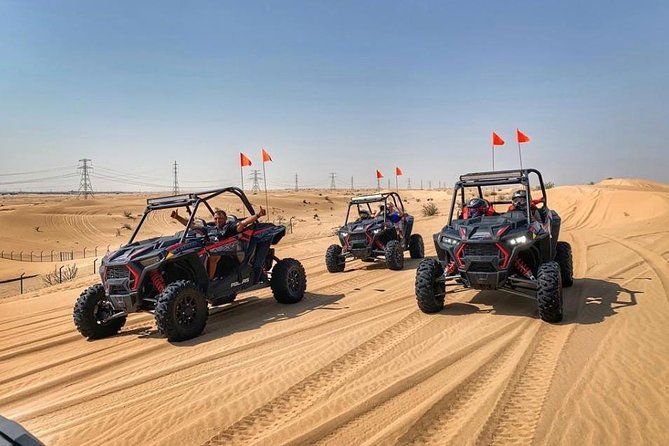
column 294, row 280
column 186, row 311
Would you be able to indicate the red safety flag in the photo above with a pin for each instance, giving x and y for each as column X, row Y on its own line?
column 398, row 171
column 244, row 160
column 497, row 140
column 265, row 156
column 379, row 174
column 522, row 137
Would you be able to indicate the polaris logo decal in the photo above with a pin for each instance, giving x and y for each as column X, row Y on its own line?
column 234, row 284
column 480, row 235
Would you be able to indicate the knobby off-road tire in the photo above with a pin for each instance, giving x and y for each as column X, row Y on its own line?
column 182, row 311
column 416, row 246
column 564, row 258
column 549, row 292
column 334, row 260
column 394, row 255
column 289, row 281
column 90, row 309
column 430, row 294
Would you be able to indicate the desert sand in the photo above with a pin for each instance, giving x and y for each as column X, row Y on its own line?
column 355, row 362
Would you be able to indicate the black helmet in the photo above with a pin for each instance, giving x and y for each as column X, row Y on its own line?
column 519, row 199
column 477, row 207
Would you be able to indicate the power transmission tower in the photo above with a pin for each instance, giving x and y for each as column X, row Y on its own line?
column 255, row 176
column 85, row 183
column 352, row 188
column 429, row 185
column 175, row 188
column 421, row 184
column 333, row 186
column 439, row 185
column 296, row 188
column 409, row 184
column 388, row 183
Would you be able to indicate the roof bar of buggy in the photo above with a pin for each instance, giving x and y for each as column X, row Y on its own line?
column 174, row 201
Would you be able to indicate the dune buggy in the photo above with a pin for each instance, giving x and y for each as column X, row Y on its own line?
column 512, row 251
column 169, row 276
column 370, row 234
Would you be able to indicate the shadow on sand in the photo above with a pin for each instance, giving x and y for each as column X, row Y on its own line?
column 246, row 313
column 588, row 301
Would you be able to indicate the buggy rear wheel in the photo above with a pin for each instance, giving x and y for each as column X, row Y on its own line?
column 333, row 259
column 430, row 293
column 549, row 292
column 92, row 313
column 394, row 255
column 181, row 312
column 563, row 257
column 416, row 246
column 289, row 281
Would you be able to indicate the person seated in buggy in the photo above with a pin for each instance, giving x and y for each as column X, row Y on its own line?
column 224, row 228
column 477, row 207
column 519, row 202
column 363, row 214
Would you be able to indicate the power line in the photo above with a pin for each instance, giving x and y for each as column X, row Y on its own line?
column 85, row 182
column 255, row 175
column 333, row 186
column 296, row 187
column 175, row 189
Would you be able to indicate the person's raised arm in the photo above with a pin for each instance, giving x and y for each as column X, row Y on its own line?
column 175, row 215
column 242, row 224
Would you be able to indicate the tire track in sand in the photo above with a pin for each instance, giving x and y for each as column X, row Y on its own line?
column 319, row 385
column 517, row 412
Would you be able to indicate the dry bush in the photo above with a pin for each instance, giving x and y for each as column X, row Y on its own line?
column 430, row 209
column 54, row 278
column 126, row 226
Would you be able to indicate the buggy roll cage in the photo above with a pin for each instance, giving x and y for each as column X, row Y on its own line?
column 376, row 198
column 189, row 200
column 496, row 178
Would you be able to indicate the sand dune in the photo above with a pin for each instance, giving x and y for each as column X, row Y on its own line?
column 355, row 362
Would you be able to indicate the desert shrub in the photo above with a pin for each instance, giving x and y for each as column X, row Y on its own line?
column 67, row 273
column 126, row 226
column 549, row 185
column 430, row 209
column 128, row 214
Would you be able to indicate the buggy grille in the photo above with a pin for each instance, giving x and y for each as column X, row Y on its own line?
column 117, row 272
column 482, row 267
column 359, row 239
column 481, row 250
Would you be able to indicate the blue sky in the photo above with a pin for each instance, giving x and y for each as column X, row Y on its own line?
column 345, row 87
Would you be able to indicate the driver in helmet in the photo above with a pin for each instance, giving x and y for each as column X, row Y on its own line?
column 477, row 207
column 519, row 202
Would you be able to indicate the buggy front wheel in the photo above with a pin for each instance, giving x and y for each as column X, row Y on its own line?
column 289, row 281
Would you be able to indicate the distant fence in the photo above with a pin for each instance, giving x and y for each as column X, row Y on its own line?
column 24, row 284
column 56, row 255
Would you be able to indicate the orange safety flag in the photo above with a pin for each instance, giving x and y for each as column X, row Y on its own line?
column 379, row 174
column 522, row 137
column 398, row 171
column 265, row 156
column 497, row 140
column 244, row 160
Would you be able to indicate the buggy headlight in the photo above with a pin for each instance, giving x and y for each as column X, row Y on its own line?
column 150, row 261
column 449, row 241
column 376, row 231
column 343, row 234
column 518, row 240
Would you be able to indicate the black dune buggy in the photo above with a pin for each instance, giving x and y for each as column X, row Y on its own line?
column 168, row 275
column 368, row 236
column 516, row 251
